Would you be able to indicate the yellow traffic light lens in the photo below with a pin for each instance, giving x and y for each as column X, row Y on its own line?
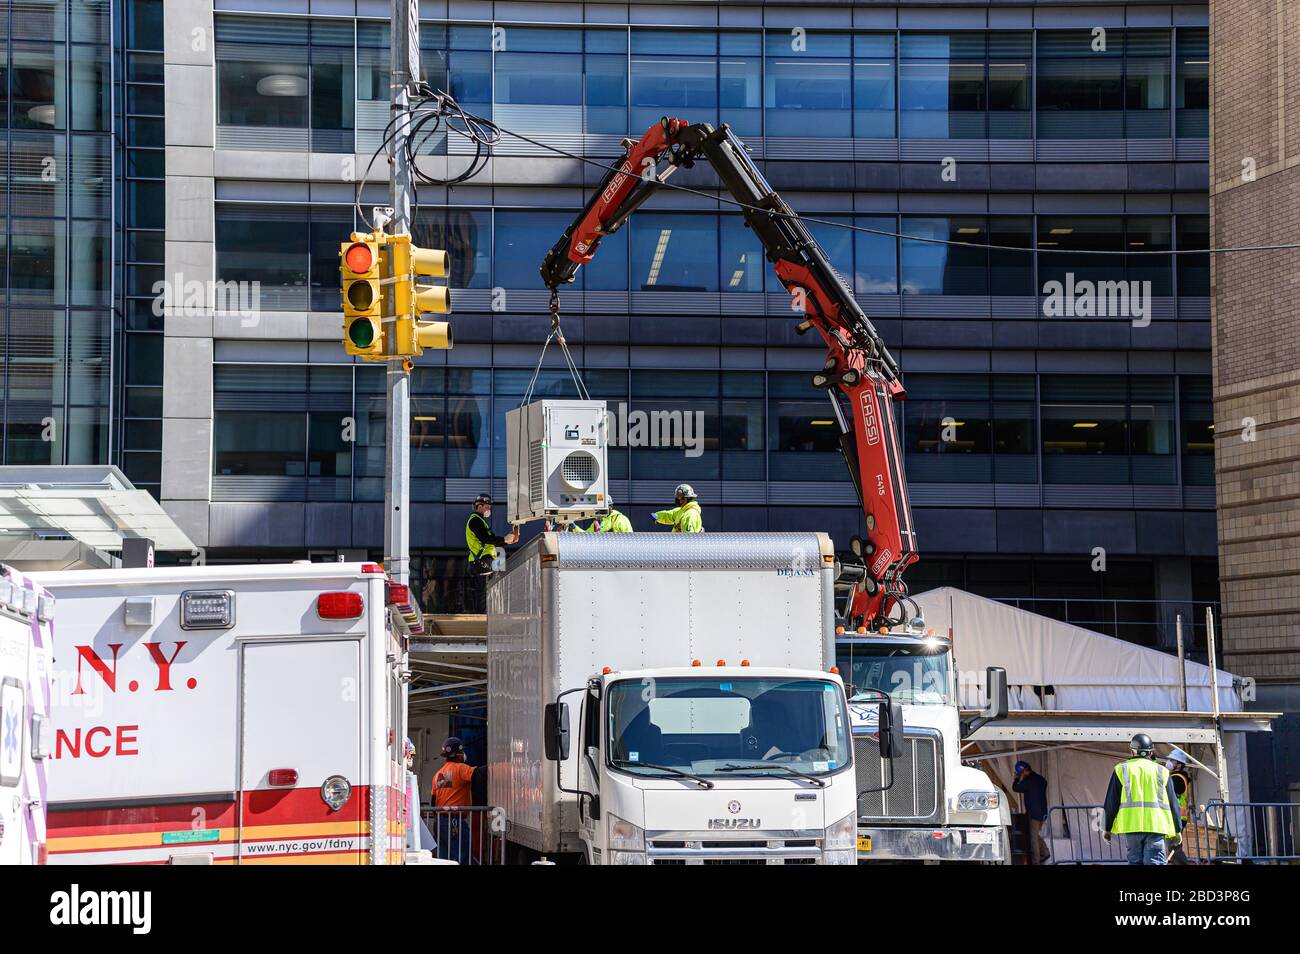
column 361, row 333
column 358, row 257
column 361, row 295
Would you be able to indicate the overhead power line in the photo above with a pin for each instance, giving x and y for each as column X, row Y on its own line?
column 485, row 133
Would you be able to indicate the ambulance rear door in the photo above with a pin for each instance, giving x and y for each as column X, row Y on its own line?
column 303, row 797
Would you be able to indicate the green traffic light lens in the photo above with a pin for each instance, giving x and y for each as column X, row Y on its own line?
column 361, row 295
column 361, row 333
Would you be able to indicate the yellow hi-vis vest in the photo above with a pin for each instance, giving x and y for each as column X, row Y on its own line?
column 478, row 548
column 684, row 519
column 1144, row 799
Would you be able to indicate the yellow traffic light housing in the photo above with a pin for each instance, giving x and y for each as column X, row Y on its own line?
column 411, row 299
column 361, row 267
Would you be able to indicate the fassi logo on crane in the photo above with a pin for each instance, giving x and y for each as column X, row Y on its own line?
column 102, row 740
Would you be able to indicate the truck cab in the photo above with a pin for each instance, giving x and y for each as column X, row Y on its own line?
column 709, row 765
column 931, row 807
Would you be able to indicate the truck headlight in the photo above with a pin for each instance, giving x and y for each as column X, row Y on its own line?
column 978, row 801
column 839, row 842
column 624, row 836
column 627, row 858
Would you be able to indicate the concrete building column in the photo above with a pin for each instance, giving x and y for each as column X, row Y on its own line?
column 190, row 122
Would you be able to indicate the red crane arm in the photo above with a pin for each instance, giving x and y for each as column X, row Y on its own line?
column 859, row 374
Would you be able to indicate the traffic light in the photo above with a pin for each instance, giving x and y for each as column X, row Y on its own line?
column 361, row 266
column 411, row 299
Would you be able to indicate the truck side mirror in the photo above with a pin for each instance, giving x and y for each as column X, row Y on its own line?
column 555, row 731
column 999, row 703
column 890, row 724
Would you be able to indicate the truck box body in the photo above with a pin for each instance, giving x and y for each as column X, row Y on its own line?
column 25, row 668
column 572, row 604
column 199, row 711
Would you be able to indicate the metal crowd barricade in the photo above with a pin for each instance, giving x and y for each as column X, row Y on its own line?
column 1074, row 833
column 1255, row 832
column 1216, row 833
column 469, row 835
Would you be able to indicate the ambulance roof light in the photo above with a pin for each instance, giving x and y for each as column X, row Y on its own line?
column 372, row 568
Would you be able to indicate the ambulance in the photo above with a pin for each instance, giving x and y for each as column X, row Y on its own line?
column 25, row 614
column 229, row 715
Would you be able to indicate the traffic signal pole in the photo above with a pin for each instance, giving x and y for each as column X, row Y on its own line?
column 397, row 467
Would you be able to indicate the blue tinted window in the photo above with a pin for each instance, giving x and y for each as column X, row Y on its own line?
column 606, row 41
column 808, row 95
column 675, row 252
column 800, row 42
column 933, row 268
column 741, row 44
column 1076, row 236
column 873, row 87
column 675, row 42
column 606, row 94
column 1193, row 89
column 520, row 240
column 740, row 87
column 518, row 39
column 876, row 256
column 1011, row 273
column 743, row 263
column 673, row 78
column 837, row 243
column 542, row 79
column 1194, row 270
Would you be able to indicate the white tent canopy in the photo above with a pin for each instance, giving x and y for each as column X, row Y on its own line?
column 1076, row 697
column 1087, row 670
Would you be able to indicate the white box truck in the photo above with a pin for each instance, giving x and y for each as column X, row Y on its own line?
column 671, row 699
column 227, row 714
column 925, row 805
column 25, row 614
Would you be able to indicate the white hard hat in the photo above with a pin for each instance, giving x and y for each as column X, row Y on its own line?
column 1178, row 755
column 685, row 490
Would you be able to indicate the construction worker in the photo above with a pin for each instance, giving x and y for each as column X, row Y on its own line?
column 1176, row 762
column 482, row 544
column 453, row 790
column 1032, row 787
column 1141, row 805
column 480, row 539
column 686, row 516
column 613, row 522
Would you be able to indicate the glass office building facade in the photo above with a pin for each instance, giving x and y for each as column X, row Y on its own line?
column 1020, row 128
column 56, row 232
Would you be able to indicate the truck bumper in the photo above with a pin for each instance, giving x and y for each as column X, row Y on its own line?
column 975, row 843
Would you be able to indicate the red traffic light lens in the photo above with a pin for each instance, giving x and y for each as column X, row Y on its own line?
column 358, row 257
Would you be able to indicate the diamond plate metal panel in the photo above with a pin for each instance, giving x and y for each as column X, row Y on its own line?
column 746, row 551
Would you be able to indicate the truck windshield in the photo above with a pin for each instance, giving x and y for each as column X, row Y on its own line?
column 916, row 672
column 721, row 727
